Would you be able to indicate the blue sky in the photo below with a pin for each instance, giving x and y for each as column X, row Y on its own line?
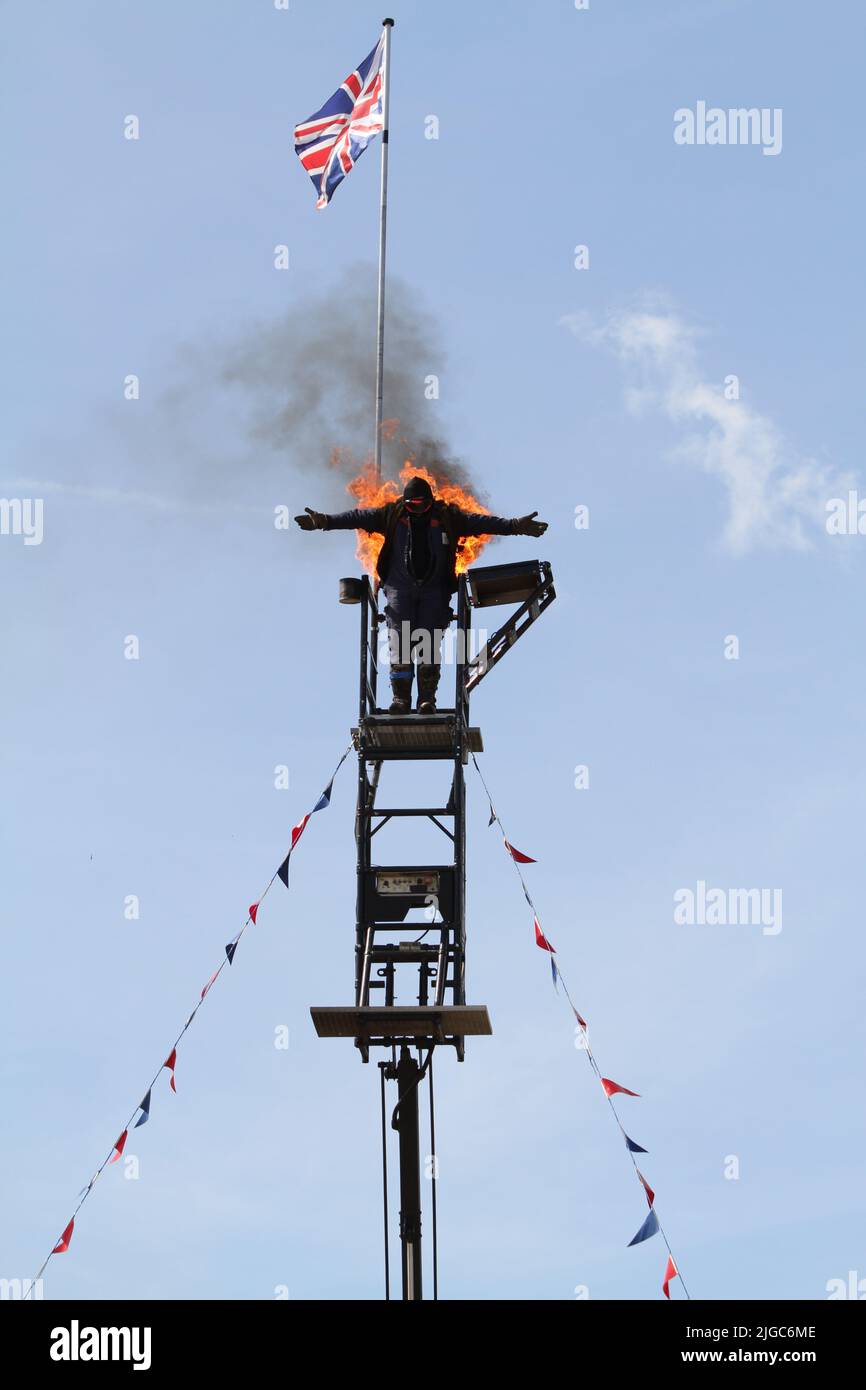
column 559, row 387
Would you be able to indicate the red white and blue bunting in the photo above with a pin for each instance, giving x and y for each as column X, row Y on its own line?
column 142, row 1110
column 651, row 1225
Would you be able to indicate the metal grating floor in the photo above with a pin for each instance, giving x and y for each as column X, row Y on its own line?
column 390, row 733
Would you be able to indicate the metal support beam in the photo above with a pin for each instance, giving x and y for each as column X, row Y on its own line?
column 406, row 1123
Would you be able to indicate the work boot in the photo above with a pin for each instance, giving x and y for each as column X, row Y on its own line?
column 428, row 680
column 401, row 687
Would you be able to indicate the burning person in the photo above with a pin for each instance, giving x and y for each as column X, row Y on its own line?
column 417, row 571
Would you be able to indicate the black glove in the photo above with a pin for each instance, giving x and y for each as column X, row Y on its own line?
column 312, row 521
column 528, row 526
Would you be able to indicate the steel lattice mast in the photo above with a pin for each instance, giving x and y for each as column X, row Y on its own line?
column 420, row 986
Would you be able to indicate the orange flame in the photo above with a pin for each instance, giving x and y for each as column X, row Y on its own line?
column 369, row 491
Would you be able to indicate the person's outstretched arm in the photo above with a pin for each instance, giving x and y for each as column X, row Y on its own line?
column 359, row 519
column 480, row 524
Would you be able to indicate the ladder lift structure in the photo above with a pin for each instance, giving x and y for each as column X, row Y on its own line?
column 410, row 991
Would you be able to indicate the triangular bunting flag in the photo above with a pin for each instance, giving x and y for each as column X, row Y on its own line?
column 611, row 1088
column 492, row 820
column 581, row 1021
column 554, row 972
column 649, row 1228
column 299, row 829
column 650, row 1195
column 254, row 907
column 324, row 800
column 517, row 856
column 283, row 870
column 63, row 1242
column 232, row 947
column 210, row 982
column 671, row 1272
column 541, row 940
column 145, row 1112
column 171, row 1062
column 632, row 1146
column 118, row 1148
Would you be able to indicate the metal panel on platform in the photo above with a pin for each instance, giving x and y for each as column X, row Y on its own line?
column 398, row 1023
column 496, row 584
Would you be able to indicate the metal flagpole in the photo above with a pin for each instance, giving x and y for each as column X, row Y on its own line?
column 388, row 25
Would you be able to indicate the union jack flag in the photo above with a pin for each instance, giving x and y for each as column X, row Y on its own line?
column 330, row 142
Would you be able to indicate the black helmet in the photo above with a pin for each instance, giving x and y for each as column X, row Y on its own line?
column 418, row 494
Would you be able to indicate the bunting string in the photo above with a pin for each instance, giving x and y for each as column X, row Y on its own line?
column 142, row 1110
column 652, row 1224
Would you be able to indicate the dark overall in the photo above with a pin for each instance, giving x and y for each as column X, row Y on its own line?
column 416, row 569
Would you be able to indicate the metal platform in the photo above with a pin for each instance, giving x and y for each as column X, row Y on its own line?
column 403, row 1022
column 429, row 735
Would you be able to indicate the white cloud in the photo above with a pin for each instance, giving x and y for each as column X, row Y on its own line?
column 774, row 497
column 42, row 487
